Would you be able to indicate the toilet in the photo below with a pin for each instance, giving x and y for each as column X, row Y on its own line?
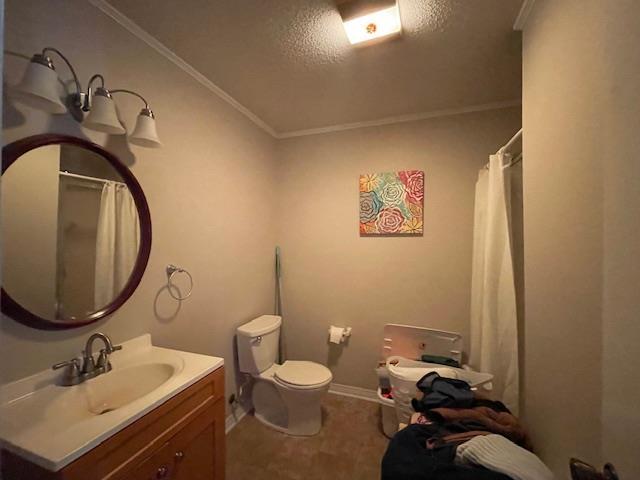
column 285, row 397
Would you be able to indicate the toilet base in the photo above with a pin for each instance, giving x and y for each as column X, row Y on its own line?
column 266, row 422
column 294, row 412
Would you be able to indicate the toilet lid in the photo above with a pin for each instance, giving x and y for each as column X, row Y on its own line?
column 303, row 373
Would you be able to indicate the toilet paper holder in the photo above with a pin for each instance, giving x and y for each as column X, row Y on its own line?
column 346, row 332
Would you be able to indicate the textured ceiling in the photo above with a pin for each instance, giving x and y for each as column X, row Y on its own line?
column 290, row 63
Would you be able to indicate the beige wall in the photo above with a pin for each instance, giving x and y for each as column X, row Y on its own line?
column 30, row 230
column 331, row 275
column 581, row 203
column 563, row 233
column 621, row 301
column 223, row 228
column 79, row 205
column 210, row 190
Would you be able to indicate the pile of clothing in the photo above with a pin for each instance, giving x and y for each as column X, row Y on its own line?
column 456, row 434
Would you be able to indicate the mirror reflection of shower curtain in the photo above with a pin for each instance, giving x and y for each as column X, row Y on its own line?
column 117, row 242
column 494, row 321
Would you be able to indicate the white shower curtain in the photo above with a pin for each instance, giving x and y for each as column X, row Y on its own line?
column 494, row 322
column 118, row 238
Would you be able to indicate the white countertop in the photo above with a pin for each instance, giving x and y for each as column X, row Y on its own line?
column 51, row 426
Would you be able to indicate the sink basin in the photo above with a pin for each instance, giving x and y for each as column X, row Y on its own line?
column 52, row 425
column 121, row 387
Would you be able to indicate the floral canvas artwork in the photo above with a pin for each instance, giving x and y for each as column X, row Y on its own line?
column 392, row 203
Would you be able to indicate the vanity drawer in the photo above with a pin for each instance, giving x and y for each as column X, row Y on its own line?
column 158, row 466
column 196, row 452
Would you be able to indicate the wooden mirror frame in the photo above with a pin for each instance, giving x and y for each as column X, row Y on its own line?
column 16, row 311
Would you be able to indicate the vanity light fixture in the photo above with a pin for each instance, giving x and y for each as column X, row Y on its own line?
column 367, row 20
column 39, row 89
column 144, row 133
column 39, row 86
column 102, row 110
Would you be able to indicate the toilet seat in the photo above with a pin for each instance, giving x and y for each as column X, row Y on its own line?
column 302, row 375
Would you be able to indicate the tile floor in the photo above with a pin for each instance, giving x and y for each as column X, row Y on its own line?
column 349, row 446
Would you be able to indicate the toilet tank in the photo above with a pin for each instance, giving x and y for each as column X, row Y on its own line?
column 258, row 343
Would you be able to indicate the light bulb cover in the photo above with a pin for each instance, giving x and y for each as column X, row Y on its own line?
column 373, row 24
column 39, row 86
column 145, row 133
column 102, row 116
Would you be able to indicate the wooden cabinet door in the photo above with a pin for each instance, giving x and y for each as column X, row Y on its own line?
column 199, row 447
column 158, row 466
column 196, row 461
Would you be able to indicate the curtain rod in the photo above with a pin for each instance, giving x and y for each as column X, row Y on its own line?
column 91, row 179
column 510, row 142
column 504, row 148
column 517, row 160
column 510, row 164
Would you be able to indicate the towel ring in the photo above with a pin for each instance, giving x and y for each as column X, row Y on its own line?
column 171, row 271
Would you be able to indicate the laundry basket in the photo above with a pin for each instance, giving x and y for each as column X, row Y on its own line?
column 404, row 374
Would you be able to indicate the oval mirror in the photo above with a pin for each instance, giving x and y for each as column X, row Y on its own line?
column 76, row 232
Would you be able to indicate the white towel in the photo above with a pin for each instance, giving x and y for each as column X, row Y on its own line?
column 499, row 454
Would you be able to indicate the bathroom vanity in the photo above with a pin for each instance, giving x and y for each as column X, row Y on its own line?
column 132, row 411
column 158, row 414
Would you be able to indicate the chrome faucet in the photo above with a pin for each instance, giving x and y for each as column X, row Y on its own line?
column 76, row 373
column 89, row 366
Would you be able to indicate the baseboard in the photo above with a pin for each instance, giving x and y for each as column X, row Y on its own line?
column 354, row 392
column 234, row 418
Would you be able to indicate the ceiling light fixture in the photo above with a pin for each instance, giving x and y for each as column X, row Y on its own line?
column 367, row 20
column 39, row 89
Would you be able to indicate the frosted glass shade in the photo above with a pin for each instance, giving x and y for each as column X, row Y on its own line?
column 39, row 89
column 145, row 133
column 102, row 116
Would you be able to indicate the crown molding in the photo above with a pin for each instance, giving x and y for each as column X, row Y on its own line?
column 159, row 47
column 163, row 50
column 523, row 15
column 402, row 118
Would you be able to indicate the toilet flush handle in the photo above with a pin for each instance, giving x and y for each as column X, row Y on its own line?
column 257, row 339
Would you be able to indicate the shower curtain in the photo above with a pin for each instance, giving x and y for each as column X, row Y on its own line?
column 494, row 322
column 118, row 238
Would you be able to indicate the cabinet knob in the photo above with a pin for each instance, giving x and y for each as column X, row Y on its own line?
column 179, row 454
column 162, row 472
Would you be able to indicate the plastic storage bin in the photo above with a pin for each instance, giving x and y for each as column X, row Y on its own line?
column 389, row 416
column 404, row 374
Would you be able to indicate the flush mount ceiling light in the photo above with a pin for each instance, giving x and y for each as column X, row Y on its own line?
column 39, row 89
column 368, row 20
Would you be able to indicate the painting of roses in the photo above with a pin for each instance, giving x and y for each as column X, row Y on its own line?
column 392, row 203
